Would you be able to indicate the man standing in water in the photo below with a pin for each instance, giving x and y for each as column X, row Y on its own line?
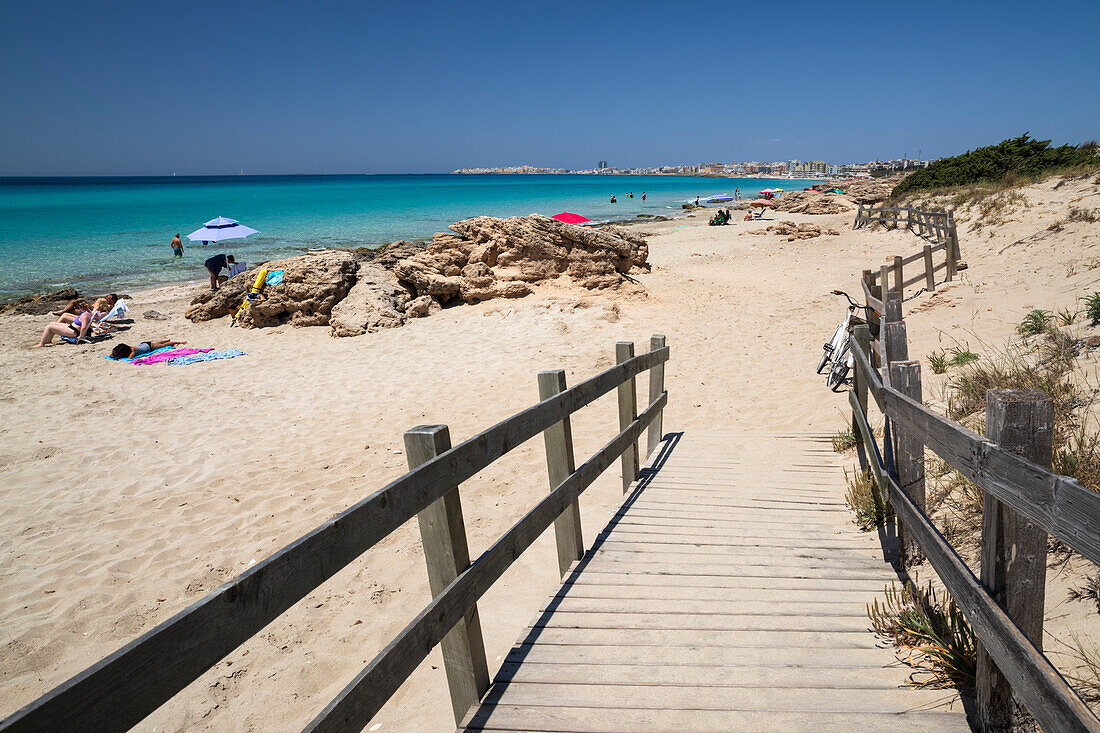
column 177, row 246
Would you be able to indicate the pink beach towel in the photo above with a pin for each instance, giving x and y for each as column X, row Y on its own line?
column 166, row 355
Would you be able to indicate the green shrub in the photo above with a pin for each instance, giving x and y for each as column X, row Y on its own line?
column 1036, row 322
column 938, row 361
column 1092, row 309
column 863, row 499
column 927, row 624
column 843, row 440
column 960, row 356
column 1016, row 158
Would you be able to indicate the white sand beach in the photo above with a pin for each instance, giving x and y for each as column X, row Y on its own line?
column 127, row 492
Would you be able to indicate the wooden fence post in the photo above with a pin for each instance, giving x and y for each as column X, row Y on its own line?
column 909, row 218
column 929, row 272
column 894, row 339
column 908, row 457
column 884, row 280
column 861, row 335
column 859, row 215
column 899, row 280
column 628, row 412
column 1014, row 549
column 656, row 388
column 560, row 464
column 951, row 239
column 443, row 536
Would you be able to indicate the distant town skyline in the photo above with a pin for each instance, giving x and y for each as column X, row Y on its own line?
column 156, row 88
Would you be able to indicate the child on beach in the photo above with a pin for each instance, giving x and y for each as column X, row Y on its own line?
column 122, row 351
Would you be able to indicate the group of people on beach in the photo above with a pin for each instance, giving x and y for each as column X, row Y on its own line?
column 78, row 318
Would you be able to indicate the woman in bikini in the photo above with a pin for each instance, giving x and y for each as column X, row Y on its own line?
column 78, row 329
column 122, row 351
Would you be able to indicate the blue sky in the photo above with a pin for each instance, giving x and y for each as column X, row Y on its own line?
column 147, row 88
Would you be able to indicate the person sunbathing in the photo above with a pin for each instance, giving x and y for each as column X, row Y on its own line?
column 77, row 305
column 122, row 351
column 100, row 308
column 78, row 329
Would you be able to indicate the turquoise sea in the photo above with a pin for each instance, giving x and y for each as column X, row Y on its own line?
column 99, row 234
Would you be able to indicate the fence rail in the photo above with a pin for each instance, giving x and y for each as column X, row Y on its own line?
column 939, row 225
column 119, row 691
column 1024, row 501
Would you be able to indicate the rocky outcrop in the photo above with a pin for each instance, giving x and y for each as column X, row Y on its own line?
column 40, row 305
column 375, row 302
column 486, row 257
column 480, row 259
column 792, row 231
column 312, row 286
column 814, row 202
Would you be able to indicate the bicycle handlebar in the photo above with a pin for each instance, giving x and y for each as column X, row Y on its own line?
column 865, row 308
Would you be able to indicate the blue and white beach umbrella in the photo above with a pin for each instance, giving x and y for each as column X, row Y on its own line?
column 221, row 228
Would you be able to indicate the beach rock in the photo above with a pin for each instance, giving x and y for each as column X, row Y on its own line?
column 154, row 316
column 425, row 305
column 312, row 285
column 814, row 202
column 793, row 232
column 375, row 302
column 486, row 258
column 40, row 305
column 389, row 255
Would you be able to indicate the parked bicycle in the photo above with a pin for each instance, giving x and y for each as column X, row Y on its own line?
column 837, row 356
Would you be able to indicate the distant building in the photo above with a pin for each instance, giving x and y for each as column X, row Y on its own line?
column 602, row 165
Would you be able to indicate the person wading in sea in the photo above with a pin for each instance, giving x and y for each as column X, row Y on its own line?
column 177, row 246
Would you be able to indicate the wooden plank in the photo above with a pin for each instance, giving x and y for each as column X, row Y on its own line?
column 701, row 676
column 598, row 657
column 824, row 584
column 693, row 638
column 693, row 607
column 542, row 719
column 443, row 537
column 628, row 411
column 1014, row 550
column 560, row 462
column 371, row 688
column 912, row 258
column 909, row 457
column 117, row 692
column 1047, row 695
column 1058, row 504
column 705, row 622
column 929, row 270
column 916, row 279
column 779, row 599
column 640, row 697
column 656, row 389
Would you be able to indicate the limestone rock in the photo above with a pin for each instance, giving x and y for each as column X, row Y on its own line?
column 814, row 202
column 375, row 302
column 792, row 231
column 40, row 305
column 312, row 285
column 425, row 305
column 154, row 316
column 486, row 257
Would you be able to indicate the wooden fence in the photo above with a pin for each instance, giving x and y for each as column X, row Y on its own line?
column 119, row 691
column 1024, row 502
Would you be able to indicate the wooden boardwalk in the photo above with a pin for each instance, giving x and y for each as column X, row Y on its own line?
column 729, row 593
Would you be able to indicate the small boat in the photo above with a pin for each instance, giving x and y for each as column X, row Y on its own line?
column 719, row 199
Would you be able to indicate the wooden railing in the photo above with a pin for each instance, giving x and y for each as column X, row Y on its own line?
column 119, row 691
column 1024, row 501
column 937, row 225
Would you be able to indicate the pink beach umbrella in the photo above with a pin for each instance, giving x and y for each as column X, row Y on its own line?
column 570, row 218
column 762, row 202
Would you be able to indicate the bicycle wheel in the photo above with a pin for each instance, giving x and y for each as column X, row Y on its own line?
column 837, row 378
column 824, row 360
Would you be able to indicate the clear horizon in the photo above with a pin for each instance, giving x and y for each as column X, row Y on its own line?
column 122, row 89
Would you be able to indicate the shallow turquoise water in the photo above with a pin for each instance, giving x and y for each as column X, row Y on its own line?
column 112, row 233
